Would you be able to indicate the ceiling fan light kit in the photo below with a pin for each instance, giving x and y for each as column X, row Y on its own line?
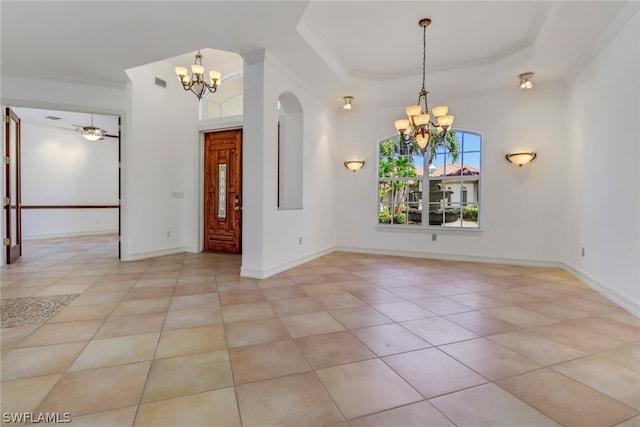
column 90, row 133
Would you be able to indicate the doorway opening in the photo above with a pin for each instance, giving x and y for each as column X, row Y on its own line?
column 66, row 174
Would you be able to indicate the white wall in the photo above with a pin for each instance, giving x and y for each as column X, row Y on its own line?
column 59, row 167
column 253, row 187
column 161, row 165
column 271, row 236
column 603, row 182
column 521, row 211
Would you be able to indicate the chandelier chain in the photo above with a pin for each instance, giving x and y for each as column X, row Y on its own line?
column 424, row 56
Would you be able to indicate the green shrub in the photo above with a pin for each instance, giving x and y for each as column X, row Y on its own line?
column 384, row 216
column 470, row 213
column 400, row 218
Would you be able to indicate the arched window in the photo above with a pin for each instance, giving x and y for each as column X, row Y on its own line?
column 226, row 100
column 448, row 195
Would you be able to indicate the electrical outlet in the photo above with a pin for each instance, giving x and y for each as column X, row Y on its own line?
column 434, row 237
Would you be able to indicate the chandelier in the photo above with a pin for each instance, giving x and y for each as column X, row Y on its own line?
column 419, row 126
column 196, row 82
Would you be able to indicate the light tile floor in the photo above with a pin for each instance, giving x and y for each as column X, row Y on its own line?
column 345, row 340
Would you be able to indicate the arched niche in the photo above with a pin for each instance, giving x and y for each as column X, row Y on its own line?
column 290, row 151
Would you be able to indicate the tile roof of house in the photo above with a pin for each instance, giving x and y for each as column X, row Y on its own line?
column 452, row 169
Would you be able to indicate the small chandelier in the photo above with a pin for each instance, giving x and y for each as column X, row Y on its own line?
column 525, row 80
column 347, row 102
column 196, row 82
column 419, row 125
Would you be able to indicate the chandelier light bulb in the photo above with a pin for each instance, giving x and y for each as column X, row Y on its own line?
column 440, row 110
column 422, row 140
column 197, row 69
column 413, row 110
column 421, row 119
column 402, row 125
column 214, row 76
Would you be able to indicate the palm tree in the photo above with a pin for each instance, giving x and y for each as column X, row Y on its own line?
column 404, row 167
column 397, row 160
column 449, row 143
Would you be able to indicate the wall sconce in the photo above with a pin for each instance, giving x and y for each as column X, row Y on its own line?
column 521, row 158
column 525, row 80
column 354, row 165
column 347, row 102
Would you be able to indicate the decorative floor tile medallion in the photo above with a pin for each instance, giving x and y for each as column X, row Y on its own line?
column 30, row 310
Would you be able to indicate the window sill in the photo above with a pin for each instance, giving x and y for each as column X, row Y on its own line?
column 458, row 231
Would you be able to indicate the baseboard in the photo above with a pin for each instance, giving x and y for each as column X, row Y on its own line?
column 623, row 301
column 153, row 254
column 73, row 234
column 256, row 273
column 452, row 257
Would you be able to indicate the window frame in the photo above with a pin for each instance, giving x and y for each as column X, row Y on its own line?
column 425, row 181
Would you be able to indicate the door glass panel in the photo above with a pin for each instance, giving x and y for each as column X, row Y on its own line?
column 222, row 190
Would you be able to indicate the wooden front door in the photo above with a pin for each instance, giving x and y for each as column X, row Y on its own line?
column 223, row 191
column 11, row 201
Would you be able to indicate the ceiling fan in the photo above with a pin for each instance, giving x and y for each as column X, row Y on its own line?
column 92, row 133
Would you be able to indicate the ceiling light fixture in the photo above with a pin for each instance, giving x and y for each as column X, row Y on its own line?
column 419, row 125
column 92, row 133
column 521, row 158
column 525, row 80
column 347, row 102
column 196, row 82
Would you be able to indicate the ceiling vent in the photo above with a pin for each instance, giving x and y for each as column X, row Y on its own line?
column 52, row 118
column 161, row 83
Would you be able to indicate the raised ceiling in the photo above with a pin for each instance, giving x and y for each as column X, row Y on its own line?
column 362, row 48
